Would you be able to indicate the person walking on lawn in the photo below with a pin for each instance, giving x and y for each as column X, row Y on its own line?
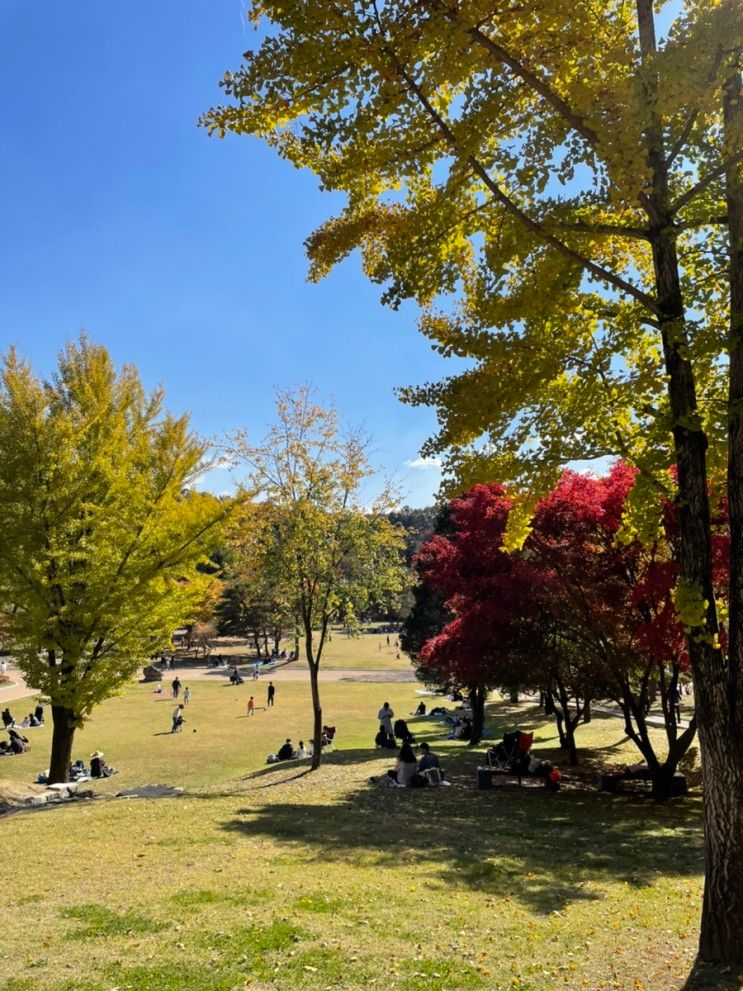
column 251, row 706
column 176, row 685
column 271, row 693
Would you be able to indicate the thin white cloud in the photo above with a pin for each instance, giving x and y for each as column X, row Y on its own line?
column 423, row 464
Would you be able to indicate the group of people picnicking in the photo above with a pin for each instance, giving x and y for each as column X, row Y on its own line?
column 17, row 743
column 409, row 771
column 287, row 751
column 79, row 772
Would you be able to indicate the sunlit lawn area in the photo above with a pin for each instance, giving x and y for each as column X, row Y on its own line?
column 274, row 879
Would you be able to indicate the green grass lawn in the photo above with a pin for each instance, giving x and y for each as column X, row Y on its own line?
column 264, row 876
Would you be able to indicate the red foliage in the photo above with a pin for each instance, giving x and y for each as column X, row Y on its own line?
column 489, row 591
column 619, row 592
column 617, row 596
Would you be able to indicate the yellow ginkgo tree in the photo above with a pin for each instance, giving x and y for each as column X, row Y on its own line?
column 559, row 184
column 100, row 536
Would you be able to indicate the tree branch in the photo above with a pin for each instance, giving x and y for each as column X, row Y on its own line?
column 707, row 180
column 616, row 230
column 538, row 85
column 604, row 275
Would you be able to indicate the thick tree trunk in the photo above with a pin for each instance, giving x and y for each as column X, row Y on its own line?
column 717, row 683
column 64, row 724
column 570, row 743
column 513, row 693
column 719, row 689
column 722, row 907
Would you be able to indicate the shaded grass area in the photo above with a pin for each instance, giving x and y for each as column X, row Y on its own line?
column 264, row 876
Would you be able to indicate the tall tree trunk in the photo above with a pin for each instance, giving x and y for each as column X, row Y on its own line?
column 64, row 724
column 477, row 701
column 316, row 714
column 587, row 711
column 717, row 684
column 313, row 662
column 566, row 723
column 719, row 692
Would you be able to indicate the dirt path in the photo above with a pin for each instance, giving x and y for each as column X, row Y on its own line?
column 290, row 673
column 20, row 690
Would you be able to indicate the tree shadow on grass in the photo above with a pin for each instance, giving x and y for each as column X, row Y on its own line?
column 707, row 977
column 544, row 850
column 301, row 773
column 341, row 757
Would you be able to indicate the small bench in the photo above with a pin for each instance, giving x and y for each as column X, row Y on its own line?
column 611, row 781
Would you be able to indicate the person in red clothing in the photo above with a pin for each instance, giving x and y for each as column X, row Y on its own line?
column 251, row 706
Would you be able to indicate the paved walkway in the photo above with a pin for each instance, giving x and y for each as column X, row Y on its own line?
column 650, row 720
column 290, row 672
column 18, row 690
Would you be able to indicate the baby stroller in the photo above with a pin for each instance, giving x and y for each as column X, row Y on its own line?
column 513, row 753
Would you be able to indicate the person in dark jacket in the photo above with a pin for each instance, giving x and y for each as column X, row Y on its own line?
column 286, row 752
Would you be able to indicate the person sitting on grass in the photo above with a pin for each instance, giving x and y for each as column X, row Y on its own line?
column 383, row 740
column 76, row 772
column 98, row 767
column 286, row 752
column 18, row 742
column 7, row 718
column 39, row 713
column 428, row 759
column 405, row 768
column 402, row 732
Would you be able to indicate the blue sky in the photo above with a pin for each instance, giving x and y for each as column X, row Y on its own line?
column 181, row 253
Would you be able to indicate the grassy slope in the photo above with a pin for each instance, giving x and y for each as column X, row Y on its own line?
column 316, row 881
